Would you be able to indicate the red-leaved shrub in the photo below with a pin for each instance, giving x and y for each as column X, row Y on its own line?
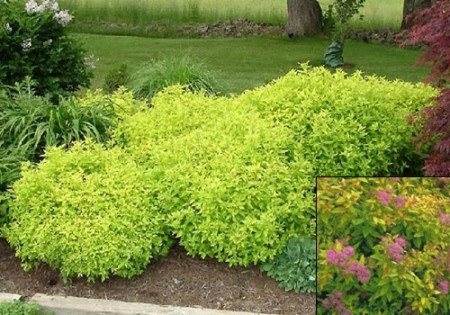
column 432, row 28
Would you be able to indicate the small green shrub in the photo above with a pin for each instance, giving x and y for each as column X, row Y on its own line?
column 21, row 308
column 87, row 212
column 116, row 78
column 33, row 42
column 347, row 124
column 158, row 74
column 295, row 267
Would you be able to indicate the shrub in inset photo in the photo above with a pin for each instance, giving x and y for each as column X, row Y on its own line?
column 383, row 245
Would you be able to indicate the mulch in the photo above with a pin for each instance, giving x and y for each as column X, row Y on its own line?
column 176, row 279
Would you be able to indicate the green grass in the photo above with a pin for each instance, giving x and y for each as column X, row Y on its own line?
column 378, row 13
column 248, row 62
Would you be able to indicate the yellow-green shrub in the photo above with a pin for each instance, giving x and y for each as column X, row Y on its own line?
column 231, row 177
column 87, row 212
column 226, row 177
column 348, row 125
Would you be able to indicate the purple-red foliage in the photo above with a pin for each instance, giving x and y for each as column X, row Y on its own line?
column 432, row 28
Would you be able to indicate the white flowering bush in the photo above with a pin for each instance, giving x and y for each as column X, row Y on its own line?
column 33, row 42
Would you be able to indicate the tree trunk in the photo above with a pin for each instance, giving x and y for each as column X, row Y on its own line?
column 409, row 6
column 304, row 18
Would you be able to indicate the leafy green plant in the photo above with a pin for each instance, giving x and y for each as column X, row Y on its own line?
column 88, row 212
column 21, row 308
column 116, row 78
column 383, row 245
column 30, row 123
column 295, row 266
column 33, row 42
column 158, row 74
column 347, row 124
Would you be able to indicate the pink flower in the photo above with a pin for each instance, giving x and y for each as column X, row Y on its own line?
column 395, row 179
column 334, row 302
column 445, row 219
column 340, row 258
column 443, row 287
column 400, row 201
column 326, row 304
column 332, row 257
column 400, row 241
column 396, row 252
column 361, row 271
column 384, row 197
column 336, row 296
column 348, row 252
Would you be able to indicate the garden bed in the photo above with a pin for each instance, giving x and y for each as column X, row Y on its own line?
column 177, row 279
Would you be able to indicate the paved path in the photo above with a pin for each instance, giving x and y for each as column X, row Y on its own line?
column 69, row 305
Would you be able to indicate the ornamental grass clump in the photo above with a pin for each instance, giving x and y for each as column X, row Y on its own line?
column 87, row 212
column 380, row 254
column 156, row 75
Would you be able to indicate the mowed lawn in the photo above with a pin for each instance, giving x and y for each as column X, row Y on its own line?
column 244, row 63
column 377, row 13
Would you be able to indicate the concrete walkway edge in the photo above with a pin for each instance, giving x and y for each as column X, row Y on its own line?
column 70, row 305
column 8, row 297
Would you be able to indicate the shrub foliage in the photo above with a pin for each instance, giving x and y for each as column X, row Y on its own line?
column 347, row 125
column 87, row 212
column 383, row 245
column 229, row 177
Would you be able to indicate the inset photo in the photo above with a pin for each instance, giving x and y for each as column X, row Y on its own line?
column 383, row 245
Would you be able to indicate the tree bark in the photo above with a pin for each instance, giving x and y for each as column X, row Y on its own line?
column 304, row 18
column 409, row 6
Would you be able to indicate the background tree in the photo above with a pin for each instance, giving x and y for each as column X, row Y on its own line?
column 304, row 18
column 431, row 27
column 409, row 6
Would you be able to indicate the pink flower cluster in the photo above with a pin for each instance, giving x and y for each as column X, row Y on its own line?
column 443, row 287
column 400, row 201
column 335, row 301
column 361, row 271
column 395, row 179
column 445, row 219
column 385, row 197
column 396, row 249
column 342, row 260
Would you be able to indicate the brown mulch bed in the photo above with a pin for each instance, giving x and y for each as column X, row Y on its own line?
column 177, row 279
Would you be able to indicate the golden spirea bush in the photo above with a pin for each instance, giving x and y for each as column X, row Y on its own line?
column 86, row 212
column 230, row 177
